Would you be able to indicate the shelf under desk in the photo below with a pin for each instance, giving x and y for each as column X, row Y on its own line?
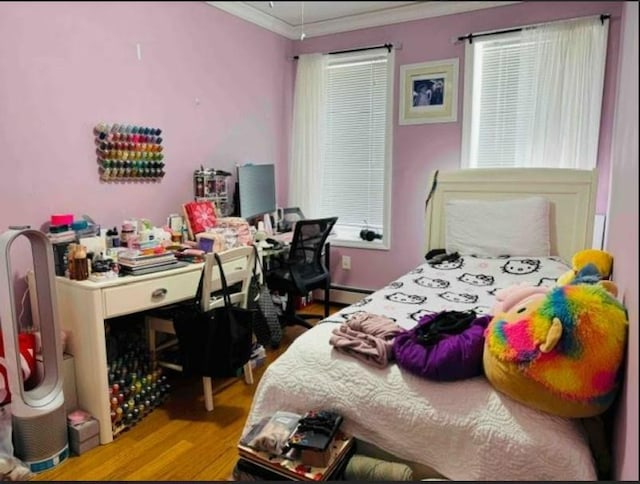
column 83, row 307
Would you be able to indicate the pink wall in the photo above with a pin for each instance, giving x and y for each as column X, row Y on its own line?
column 420, row 149
column 67, row 66
column 622, row 236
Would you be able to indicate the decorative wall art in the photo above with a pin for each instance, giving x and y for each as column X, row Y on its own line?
column 429, row 92
column 129, row 153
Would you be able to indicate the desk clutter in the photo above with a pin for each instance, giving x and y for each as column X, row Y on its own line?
column 83, row 250
column 129, row 152
column 310, row 447
column 212, row 185
column 288, row 446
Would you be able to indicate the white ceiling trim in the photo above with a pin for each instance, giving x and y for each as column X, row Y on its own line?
column 247, row 12
column 395, row 15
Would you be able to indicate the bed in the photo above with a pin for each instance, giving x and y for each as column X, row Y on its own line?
column 463, row 430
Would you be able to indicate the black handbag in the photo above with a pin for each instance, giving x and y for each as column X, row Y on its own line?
column 267, row 325
column 214, row 343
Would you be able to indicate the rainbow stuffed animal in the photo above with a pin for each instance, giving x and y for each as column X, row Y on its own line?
column 559, row 352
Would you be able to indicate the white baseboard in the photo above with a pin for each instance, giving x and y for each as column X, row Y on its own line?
column 343, row 295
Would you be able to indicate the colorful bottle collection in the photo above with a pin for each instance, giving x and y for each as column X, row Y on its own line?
column 127, row 152
column 135, row 389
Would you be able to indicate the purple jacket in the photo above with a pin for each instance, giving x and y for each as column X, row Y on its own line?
column 453, row 357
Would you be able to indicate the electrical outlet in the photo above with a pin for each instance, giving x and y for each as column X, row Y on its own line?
column 346, row 262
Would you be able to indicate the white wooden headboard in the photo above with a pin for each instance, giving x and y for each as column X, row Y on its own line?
column 572, row 194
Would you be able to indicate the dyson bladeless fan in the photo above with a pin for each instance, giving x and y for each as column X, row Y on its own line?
column 38, row 414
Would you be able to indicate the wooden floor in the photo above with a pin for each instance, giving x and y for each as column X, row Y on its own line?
column 180, row 440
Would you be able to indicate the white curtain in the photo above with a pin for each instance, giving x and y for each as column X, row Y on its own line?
column 309, row 111
column 569, row 62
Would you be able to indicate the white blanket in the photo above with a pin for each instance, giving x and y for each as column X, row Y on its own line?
column 465, row 430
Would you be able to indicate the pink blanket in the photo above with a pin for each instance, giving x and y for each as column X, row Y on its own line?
column 367, row 337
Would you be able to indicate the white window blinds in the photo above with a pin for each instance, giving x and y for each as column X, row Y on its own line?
column 533, row 98
column 355, row 144
column 502, row 96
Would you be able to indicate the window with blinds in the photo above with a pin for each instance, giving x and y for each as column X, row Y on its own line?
column 533, row 98
column 502, row 102
column 357, row 137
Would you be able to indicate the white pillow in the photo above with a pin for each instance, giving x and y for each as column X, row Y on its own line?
column 494, row 228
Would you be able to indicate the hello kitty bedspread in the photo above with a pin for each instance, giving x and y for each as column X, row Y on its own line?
column 465, row 430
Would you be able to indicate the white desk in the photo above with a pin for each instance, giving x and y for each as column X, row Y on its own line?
column 83, row 307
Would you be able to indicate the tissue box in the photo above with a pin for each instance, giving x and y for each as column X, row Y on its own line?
column 84, row 436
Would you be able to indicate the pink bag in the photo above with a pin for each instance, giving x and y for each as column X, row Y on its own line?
column 240, row 226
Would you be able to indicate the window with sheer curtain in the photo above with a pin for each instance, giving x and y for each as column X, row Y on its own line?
column 342, row 142
column 533, row 98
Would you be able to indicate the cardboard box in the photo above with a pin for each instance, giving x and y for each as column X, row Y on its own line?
column 84, row 436
column 80, row 448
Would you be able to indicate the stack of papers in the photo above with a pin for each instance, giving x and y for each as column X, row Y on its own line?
column 133, row 262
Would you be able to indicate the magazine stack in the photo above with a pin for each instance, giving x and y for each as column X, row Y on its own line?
column 137, row 262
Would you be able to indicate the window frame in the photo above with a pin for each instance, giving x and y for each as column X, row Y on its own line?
column 345, row 236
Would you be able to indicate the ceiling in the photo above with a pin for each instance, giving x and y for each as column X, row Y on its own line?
column 290, row 19
column 291, row 12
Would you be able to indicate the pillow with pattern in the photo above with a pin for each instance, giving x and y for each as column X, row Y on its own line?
column 201, row 216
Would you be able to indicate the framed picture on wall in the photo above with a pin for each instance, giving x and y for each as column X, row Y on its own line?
column 429, row 92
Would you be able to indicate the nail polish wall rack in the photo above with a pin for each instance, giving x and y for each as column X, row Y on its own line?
column 129, row 152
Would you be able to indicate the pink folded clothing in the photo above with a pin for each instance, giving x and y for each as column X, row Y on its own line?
column 367, row 337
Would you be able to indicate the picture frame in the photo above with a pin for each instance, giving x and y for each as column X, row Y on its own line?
column 429, row 92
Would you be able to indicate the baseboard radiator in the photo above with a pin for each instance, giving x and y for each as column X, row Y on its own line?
column 342, row 294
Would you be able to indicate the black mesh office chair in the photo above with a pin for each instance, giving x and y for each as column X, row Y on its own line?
column 303, row 269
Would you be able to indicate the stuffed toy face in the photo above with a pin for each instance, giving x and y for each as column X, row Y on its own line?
column 560, row 352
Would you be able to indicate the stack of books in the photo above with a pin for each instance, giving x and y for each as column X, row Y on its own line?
column 287, row 463
column 62, row 237
column 136, row 262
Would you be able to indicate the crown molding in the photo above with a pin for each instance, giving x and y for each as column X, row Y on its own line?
column 253, row 15
column 395, row 15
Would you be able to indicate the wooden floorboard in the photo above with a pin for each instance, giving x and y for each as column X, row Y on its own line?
column 180, row 440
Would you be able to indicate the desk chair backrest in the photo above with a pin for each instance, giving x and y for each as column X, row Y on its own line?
column 238, row 269
column 305, row 253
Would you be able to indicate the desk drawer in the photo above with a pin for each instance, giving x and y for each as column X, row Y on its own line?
column 144, row 295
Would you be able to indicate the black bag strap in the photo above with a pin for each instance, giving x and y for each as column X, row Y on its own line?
column 433, row 189
column 231, row 311
column 223, row 280
column 199, row 290
column 258, row 262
